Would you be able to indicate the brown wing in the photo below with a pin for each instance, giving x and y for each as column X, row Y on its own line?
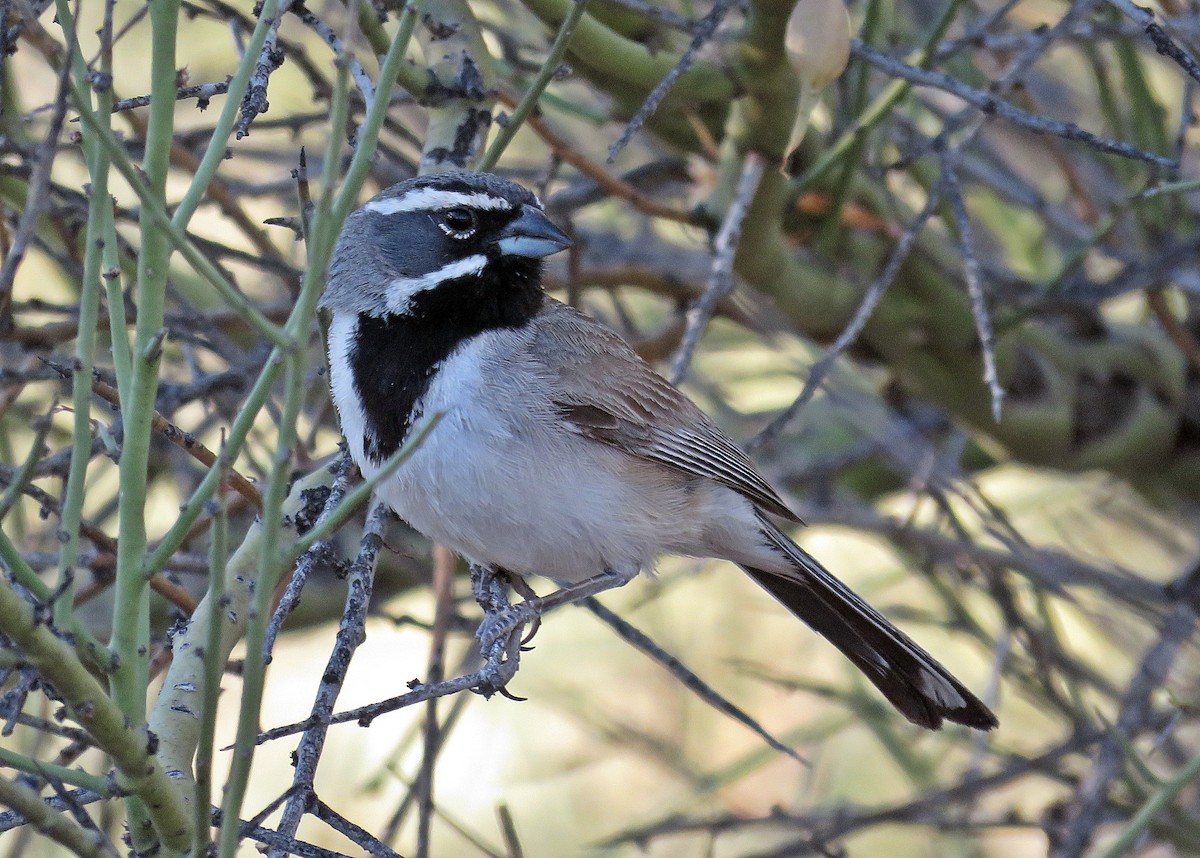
column 605, row 392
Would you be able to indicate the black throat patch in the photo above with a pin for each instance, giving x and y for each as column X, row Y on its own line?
column 395, row 357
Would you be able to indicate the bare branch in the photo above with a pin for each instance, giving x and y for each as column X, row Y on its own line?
column 993, row 106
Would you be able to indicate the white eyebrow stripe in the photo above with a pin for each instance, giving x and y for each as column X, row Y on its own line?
column 401, row 290
column 435, row 199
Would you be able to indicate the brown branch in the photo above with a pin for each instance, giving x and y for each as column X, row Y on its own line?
column 1175, row 329
column 444, row 567
column 183, row 440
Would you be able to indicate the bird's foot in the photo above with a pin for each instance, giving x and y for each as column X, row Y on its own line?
column 500, row 632
column 501, row 637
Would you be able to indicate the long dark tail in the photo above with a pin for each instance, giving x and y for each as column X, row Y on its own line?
column 923, row 690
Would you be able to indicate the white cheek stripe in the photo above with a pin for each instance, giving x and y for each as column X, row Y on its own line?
column 427, row 199
column 401, row 290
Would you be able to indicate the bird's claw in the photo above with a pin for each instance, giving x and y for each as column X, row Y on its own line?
column 500, row 627
column 501, row 640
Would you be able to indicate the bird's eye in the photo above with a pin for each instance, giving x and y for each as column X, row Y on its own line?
column 459, row 222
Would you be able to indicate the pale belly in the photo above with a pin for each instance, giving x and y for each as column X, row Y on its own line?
column 503, row 486
column 569, row 511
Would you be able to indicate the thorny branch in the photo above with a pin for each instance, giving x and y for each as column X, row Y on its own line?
column 702, row 33
column 991, row 105
column 351, row 633
column 979, row 307
column 870, row 300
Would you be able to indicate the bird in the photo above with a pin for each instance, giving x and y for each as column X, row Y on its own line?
column 558, row 451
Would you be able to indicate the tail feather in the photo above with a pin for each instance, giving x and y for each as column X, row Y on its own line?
column 910, row 678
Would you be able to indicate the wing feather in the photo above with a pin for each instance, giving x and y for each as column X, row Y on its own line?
column 604, row 391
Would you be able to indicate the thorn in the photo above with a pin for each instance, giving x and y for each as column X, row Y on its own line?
column 153, row 350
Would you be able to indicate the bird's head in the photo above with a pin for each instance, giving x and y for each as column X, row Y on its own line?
column 472, row 229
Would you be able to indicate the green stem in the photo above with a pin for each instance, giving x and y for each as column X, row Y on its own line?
column 118, row 325
column 368, row 135
column 24, row 474
column 1156, row 803
column 92, row 650
column 85, row 355
column 74, row 777
column 878, row 109
column 830, row 231
column 629, row 68
column 529, row 101
column 85, row 349
column 269, row 567
column 323, row 236
column 213, row 668
column 110, row 257
column 408, row 75
column 1181, row 187
column 89, row 704
column 57, row 826
column 182, row 714
column 155, row 218
column 238, row 432
column 131, row 604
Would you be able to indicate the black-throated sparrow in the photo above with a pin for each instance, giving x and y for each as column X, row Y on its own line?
column 561, row 452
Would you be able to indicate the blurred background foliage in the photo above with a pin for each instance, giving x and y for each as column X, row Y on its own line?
column 987, row 182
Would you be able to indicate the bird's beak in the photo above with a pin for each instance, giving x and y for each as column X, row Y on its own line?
column 533, row 235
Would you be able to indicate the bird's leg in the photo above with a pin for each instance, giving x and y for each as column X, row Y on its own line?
column 501, row 650
column 490, row 588
column 521, row 588
column 499, row 633
column 502, row 625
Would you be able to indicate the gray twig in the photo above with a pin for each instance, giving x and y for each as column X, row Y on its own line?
column 1035, row 47
column 361, row 78
column 979, row 310
column 304, row 565
column 36, row 198
column 364, row 715
column 444, row 567
column 701, row 34
column 720, row 280
column 251, row 830
column 975, row 32
column 75, row 807
column 356, row 834
column 12, row 819
column 202, row 92
column 1163, row 43
column 351, row 632
column 254, row 102
column 1136, row 710
column 639, row 639
column 827, row 824
column 849, row 334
